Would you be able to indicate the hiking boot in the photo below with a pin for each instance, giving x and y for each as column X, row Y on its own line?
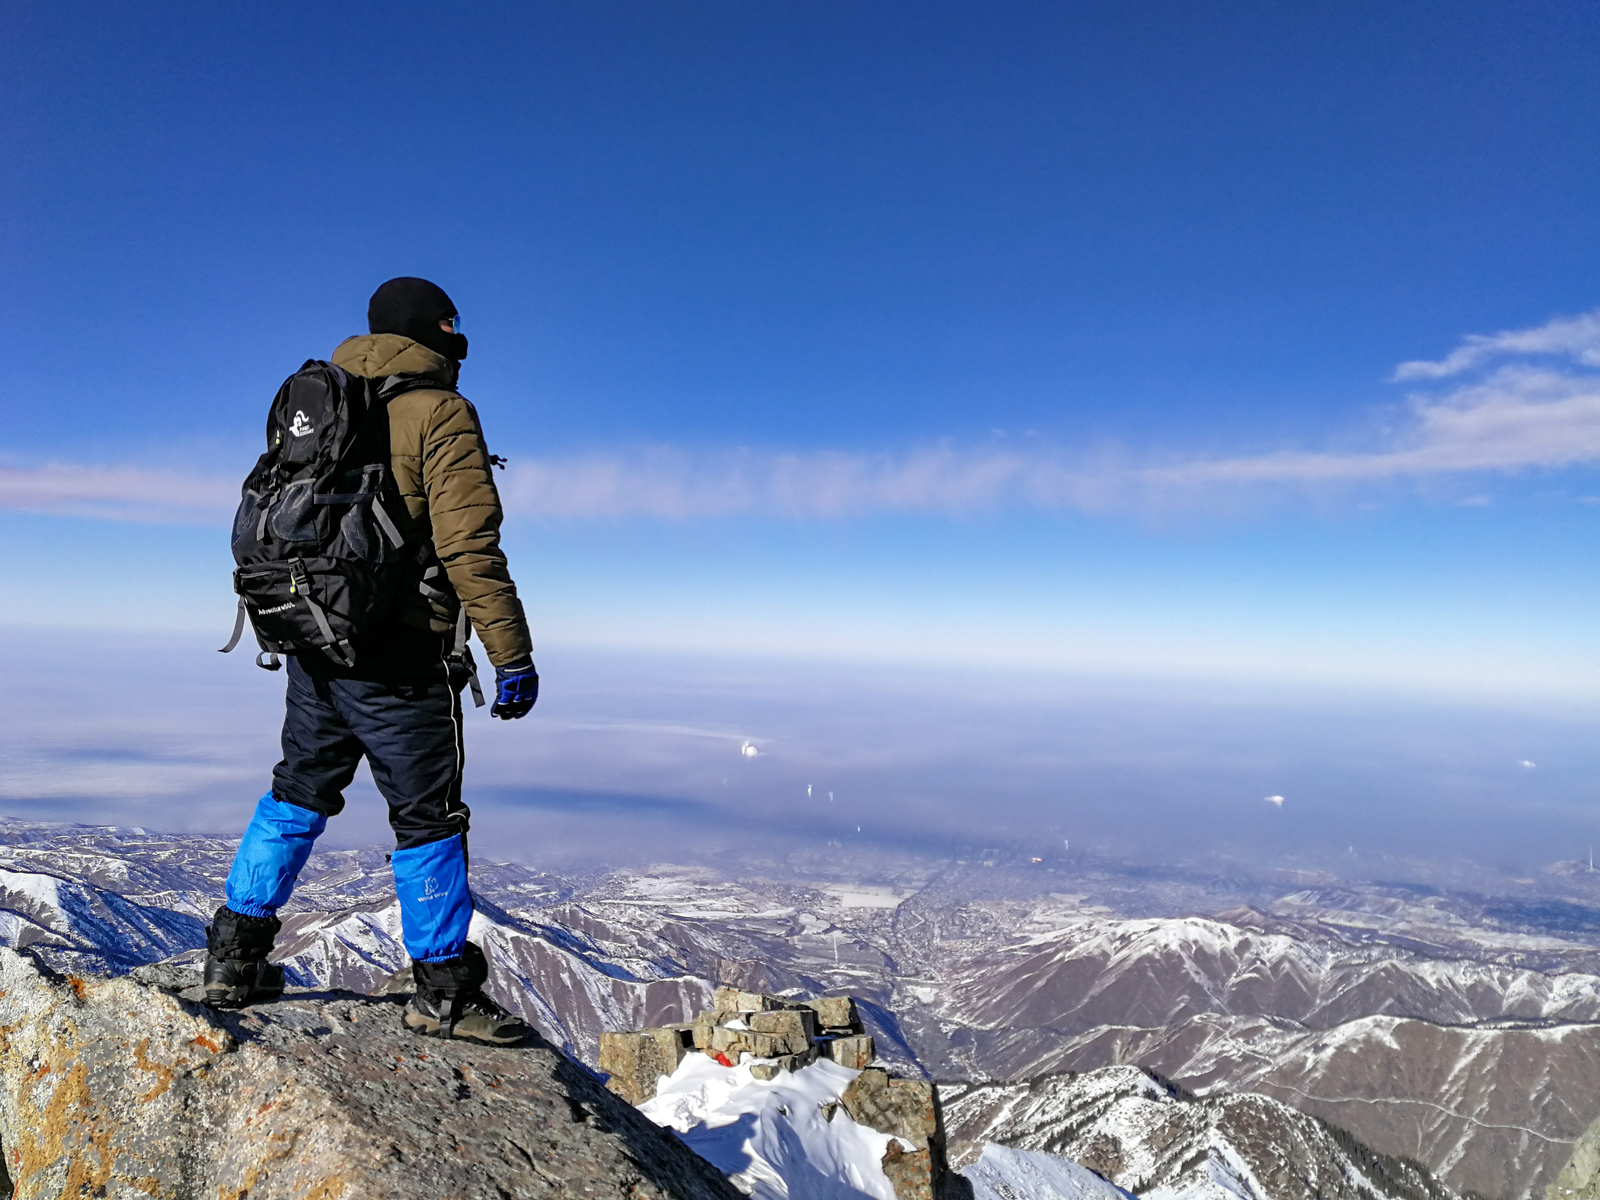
column 449, row 1002
column 477, row 1017
column 233, row 984
column 237, row 970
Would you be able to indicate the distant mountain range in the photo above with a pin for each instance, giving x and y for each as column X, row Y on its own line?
column 1486, row 1071
column 1456, row 1031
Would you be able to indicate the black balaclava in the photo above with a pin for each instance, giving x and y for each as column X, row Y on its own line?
column 413, row 308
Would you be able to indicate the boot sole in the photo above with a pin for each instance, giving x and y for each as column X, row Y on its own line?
column 238, row 997
column 428, row 1027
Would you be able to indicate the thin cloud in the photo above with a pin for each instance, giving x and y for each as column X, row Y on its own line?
column 674, row 484
column 118, row 493
column 1576, row 338
column 1516, row 411
column 1518, row 418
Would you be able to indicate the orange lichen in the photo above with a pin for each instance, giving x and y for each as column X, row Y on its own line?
column 262, row 1111
column 161, row 1071
column 65, row 1129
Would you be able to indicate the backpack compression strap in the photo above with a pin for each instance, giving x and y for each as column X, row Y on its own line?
column 268, row 652
column 463, row 655
column 238, row 629
column 337, row 649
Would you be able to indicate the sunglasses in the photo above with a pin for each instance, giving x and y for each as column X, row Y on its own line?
column 454, row 322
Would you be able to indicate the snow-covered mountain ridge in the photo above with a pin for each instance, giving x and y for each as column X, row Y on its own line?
column 1160, row 1143
column 1484, row 1071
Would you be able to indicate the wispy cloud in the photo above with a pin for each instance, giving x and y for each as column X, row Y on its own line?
column 119, row 493
column 1512, row 414
column 1566, row 337
column 674, row 484
column 1518, row 418
column 1514, row 400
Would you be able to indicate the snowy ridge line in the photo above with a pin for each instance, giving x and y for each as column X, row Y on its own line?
column 1290, row 1025
column 1449, row 1112
column 1161, row 1143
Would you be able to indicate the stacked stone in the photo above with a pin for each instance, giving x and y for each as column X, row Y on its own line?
column 781, row 1035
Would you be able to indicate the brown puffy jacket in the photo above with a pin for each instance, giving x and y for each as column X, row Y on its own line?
column 443, row 470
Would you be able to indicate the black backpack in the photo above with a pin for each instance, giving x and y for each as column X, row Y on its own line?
column 320, row 558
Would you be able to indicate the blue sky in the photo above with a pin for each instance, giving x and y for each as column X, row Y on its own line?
column 800, row 323
column 1163, row 340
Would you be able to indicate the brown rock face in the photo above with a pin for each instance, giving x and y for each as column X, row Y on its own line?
column 797, row 1027
column 908, row 1109
column 635, row 1061
column 1580, row 1178
column 127, row 1087
column 856, row 1053
column 909, row 1171
column 834, row 1012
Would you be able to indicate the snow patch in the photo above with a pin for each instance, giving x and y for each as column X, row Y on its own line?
column 45, row 889
column 1006, row 1174
column 863, row 895
column 771, row 1137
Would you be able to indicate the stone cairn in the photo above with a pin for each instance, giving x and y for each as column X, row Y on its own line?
column 772, row 1034
column 780, row 1035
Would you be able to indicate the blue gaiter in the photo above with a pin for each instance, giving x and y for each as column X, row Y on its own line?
column 275, row 846
column 435, row 906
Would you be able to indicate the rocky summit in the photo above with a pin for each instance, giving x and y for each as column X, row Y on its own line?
column 130, row 1088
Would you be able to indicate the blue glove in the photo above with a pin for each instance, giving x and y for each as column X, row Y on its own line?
column 515, row 689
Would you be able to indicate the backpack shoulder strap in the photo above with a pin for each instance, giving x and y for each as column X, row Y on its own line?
column 392, row 386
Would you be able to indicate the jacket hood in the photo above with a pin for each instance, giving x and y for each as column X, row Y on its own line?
column 374, row 355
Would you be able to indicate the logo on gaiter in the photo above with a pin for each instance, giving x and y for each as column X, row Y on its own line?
column 430, row 889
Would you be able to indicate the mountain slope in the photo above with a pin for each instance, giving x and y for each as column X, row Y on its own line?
column 1161, row 972
column 1486, row 1072
column 1154, row 1140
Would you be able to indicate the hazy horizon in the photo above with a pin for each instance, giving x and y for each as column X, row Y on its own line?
column 634, row 757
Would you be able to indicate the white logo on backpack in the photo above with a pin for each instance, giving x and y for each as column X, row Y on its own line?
column 300, row 426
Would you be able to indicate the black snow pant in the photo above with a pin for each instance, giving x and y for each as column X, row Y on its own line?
column 408, row 731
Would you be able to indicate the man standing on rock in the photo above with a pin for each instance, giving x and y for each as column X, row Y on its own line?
column 400, row 705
